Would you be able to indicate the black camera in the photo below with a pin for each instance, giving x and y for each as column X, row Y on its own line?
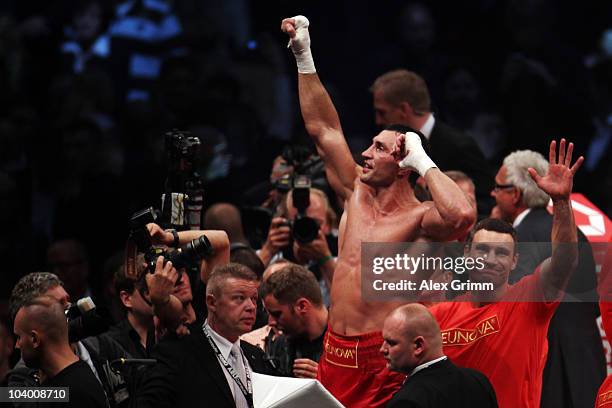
column 84, row 320
column 183, row 196
column 186, row 257
column 303, row 228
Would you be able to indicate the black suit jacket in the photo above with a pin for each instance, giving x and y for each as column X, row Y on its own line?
column 188, row 374
column 443, row 385
column 576, row 363
column 454, row 150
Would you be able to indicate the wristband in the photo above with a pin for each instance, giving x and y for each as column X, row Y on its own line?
column 175, row 236
column 300, row 45
column 324, row 260
column 416, row 159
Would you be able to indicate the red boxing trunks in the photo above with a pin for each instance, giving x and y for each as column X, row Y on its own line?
column 354, row 370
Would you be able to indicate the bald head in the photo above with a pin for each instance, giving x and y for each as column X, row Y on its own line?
column 276, row 266
column 416, row 320
column 225, row 217
column 45, row 315
column 411, row 338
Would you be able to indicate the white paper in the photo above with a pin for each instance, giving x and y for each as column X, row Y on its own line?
column 277, row 392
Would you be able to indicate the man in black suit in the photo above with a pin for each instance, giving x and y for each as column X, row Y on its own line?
column 576, row 362
column 413, row 345
column 211, row 365
column 401, row 97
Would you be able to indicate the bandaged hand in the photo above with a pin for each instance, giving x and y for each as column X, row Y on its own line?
column 299, row 42
column 415, row 157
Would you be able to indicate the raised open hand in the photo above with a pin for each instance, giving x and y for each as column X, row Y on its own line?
column 558, row 180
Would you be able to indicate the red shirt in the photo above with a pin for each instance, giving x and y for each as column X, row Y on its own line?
column 604, row 395
column 505, row 340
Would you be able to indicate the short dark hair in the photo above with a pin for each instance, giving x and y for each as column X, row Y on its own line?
column 224, row 272
column 492, row 224
column 31, row 286
column 396, row 127
column 245, row 255
column 291, row 283
column 400, row 85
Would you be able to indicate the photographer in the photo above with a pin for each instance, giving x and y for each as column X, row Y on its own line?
column 316, row 253
column 170, row 296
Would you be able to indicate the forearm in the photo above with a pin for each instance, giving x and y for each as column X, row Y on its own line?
column 265, row 255
column 169, row 312
column 564, row 238
column 219, row 241
column 450, row 201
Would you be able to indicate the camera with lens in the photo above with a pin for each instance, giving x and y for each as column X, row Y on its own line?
column 186, row 257
column 303, row 228
column 84, row 320
column 183, row 196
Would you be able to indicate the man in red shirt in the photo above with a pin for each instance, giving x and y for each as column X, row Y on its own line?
column 502, row 332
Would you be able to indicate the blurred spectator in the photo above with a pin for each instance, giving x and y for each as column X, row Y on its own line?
column 86, row 42
column 68, row 260
column 143, row 34
column 596, row 165
column 318, row 253
column 226, row 217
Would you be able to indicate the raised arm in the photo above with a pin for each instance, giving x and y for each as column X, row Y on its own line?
column 218, row 241
column 320, row 116
column 557, row 183
column 451, row 214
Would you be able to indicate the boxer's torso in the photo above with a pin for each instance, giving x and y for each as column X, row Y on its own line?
column 363, row 222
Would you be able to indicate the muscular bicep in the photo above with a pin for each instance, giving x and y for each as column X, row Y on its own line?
column 436, row 228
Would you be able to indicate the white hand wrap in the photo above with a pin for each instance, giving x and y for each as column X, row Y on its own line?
column 416, row 159
column 300, row 45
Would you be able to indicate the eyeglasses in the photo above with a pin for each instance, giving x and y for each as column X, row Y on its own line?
column 502, row 186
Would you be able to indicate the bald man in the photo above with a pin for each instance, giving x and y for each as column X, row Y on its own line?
column 42, row 335
column 413, row 346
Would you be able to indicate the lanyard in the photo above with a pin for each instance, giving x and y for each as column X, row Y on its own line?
column 246, row 391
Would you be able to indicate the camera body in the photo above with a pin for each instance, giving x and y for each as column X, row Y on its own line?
column 84, row 321
column 185, row 257
column 183, row 197
column 304, row 229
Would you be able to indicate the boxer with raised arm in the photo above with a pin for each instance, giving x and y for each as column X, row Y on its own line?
column 380, row 206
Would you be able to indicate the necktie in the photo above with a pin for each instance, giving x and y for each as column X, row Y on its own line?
column 238, row 363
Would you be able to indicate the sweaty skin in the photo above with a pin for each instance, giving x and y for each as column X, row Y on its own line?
column 379, row 203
